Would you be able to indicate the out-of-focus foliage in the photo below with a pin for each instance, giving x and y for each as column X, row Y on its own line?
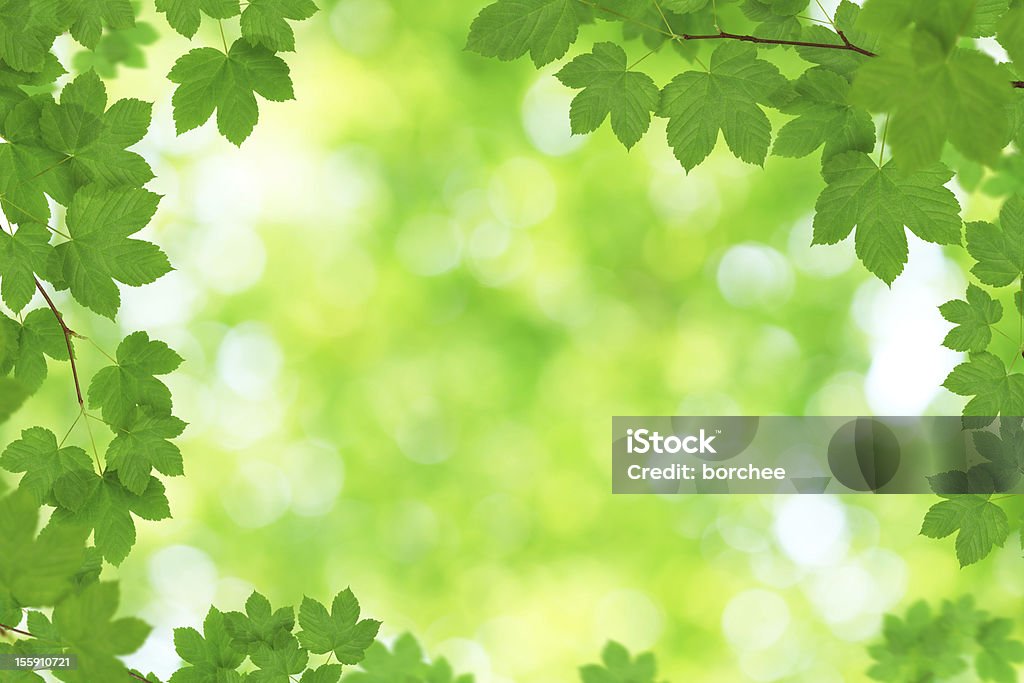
column 408, row 307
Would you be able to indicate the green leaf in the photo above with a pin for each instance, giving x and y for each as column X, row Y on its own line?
column 880, row 202
column 12, row 395
column 328, row 673
column 824, row 118
column 22, row 197
column 100, row 223
column 121, row 47
column 925, row 646
column 39, row 336
column 933, row 96
column 21, row 256
column 91, row 141
column 995, row 392
column 210, row 655
column 999, row 250
column 999, row 653
column 403, row 663
column 508, row 29
column 974, row 318
column 277, row 665
column 105, row 506
column 118, row 389
column 86, row 624
column 618, row 667
column 35, row 571
column 982, row 525
column 699, row 104
column 43, row 461
column 27, row 31
column 340, row 632
column 209, row 80
column 89, row 16
column 264, row 23
column 610, row 89
column 1011, row 34
column 184, row 16
column 260, row 627
column 141, row 446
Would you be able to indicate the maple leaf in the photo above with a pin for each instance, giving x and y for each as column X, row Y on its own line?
column 118, row 389
column 981, row 525
column 104, row 505
column 86, row 624
column 340, row 631
column 994, row 391
column 726, row 98
column 185, row 16
column 264, row 22
column 43, row 461
column 508, row 29
column 22, row 255
column 142, row 445
column 880, row 202
column 35, row 571
column 209, row 80
column 824, row 118
column 209, row 655
column 100, row 223
column 89, row 16
column 610, row 89
column 974, row 318
column 935, row 93
column 618, row 667
column 999, row 249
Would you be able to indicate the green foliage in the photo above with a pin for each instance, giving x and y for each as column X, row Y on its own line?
column 210, row 80
column 510, row 28
column 994, row 391
column 264, row 23
column 980, row 525
column 974, row 318
column 35, row 571
column 999, row 249
column 929, row 646
column 726, row 98
column 824, row 117
column 610, row 89
column 618, row 667
column 341, row 631
column 880, row 202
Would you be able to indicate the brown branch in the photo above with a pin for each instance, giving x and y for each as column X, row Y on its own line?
column 4, row 628
column 723, row 35
column 68, row 334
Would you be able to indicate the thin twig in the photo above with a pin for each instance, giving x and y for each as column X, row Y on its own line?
column 5, row 627
column 68, row 334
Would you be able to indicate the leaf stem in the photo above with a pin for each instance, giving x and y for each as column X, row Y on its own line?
column 885, row 134
column 223, row 39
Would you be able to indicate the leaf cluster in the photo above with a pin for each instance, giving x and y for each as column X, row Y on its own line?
column 928, row 645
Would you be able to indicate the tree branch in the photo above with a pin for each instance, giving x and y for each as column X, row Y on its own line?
column 723, row 35
column 846, row 45
column 68, row 334
column 4, row 628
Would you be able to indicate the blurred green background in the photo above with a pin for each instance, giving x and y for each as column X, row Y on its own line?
column 410, row 305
